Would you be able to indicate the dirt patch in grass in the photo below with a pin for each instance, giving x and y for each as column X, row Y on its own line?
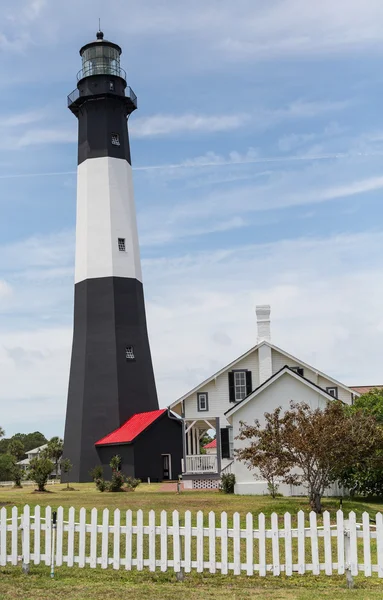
column 42, row 492
column 69, row 489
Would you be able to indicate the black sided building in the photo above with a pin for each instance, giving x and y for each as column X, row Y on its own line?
column 111, row 373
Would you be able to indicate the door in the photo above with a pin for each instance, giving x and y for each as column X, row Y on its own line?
column 166, row 466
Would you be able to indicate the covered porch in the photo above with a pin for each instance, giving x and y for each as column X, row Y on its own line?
column 194, row 462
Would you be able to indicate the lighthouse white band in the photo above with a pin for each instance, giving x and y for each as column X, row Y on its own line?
column 106, row 213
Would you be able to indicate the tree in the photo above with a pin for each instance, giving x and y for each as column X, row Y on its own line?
column 118, row 478
column 264, row 452
column 16, row 448
column 54, row 451
column 6, row 465
column 2, row 432
column 66, row 466
column 366, row 476
column 17, row 474
column 312, row 447
column 39, row 470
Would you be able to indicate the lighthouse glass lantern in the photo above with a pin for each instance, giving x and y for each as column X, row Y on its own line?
column 100, row 59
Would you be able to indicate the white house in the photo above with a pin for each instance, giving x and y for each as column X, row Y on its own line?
column 260, row 380
column 24, row 464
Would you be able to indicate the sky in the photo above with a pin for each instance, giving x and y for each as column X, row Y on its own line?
column 257, row 153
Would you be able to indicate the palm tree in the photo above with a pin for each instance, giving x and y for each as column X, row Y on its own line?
column 54, row 451
column 2, row 432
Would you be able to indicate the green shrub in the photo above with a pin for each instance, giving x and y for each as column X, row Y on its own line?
column 97, row 473
column 227, row 483
column 132, row 483
column 117, row 482
column 101, row 484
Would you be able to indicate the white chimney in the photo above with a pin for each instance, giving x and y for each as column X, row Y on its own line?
column 264, row 335
column 263, row 323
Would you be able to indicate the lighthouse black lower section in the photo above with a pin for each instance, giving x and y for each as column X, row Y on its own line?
column 106, row 388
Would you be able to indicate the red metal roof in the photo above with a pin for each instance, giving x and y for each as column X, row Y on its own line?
column 212, row 444
column 131, row 428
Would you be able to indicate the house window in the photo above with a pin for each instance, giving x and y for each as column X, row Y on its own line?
column 333, row 391
column 299, row 370
column 121, row 244
column 202, row 402
column 240, row 385
column 115, row 139
column 231, row 441
column 129, row 353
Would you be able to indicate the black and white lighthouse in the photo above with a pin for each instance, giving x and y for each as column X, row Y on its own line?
column 111, row 373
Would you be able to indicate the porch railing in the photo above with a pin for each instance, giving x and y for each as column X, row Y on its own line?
column 202, row 463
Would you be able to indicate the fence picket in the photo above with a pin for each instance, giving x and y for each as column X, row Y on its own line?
column 366, row 544
column 262, row 545
column 288, row 545
column 301, row 543
column 26, row 535
column 15, row 536
column 152, row 541
column 353, row 544
column 164, row 541
column 249, row 545
column 187, row 542
column 93, row 538
column 199, row 541
column 37, row 536
column 224, row 562
column 71, row 518
column 105, row 539
column 48, row 535
column 327, row 543
column 340, row 541
column 140, row 540
column 59, row 536
column 237, row 543
column 176, row 542
column 314, row 543
column 3, row 536
column 128, row 540
column 116, row 539
column 379, row 542
column 275, row 544
column 212, row 538
column 82, row 538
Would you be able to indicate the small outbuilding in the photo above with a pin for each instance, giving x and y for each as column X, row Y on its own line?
column 149, row 444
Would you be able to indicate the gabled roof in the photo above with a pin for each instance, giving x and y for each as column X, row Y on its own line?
column 131, row 429
column 212, row 444
column 274, row 378
column 237, row 360
column 364, row 389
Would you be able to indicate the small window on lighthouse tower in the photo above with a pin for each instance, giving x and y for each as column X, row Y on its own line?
column 115, row 139
column 121, row 244
column 129, row 353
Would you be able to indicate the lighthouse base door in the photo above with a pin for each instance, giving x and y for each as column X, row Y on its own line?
column 166, row 466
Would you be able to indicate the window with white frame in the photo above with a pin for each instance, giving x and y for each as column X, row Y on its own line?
column 202, row 402
column 240, row 388
column 333, row 391
column 121, row 244
column 231, row 441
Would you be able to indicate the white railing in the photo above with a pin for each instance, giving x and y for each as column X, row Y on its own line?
column 185, row 542
column 228, row 469
column 202, row 463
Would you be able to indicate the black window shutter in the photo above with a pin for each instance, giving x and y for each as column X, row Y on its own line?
column 225, row 445
column 231, row 387
column 249, row 385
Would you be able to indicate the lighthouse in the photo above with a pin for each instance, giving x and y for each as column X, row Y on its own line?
column 111, row 373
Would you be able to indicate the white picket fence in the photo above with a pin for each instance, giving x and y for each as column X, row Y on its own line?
column 180, row 543
column 28, row 483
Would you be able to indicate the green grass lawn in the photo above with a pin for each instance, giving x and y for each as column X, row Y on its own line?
column 86, row 584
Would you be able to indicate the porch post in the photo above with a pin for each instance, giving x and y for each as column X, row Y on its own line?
column 218, row 438
column 184, row 444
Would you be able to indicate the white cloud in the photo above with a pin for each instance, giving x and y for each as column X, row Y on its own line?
column 160, row 125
